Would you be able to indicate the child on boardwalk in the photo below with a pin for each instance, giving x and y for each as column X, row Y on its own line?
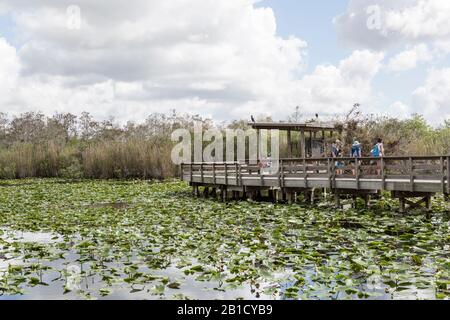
column 378, row 152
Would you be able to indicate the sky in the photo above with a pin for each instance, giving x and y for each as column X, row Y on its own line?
column 225, row 59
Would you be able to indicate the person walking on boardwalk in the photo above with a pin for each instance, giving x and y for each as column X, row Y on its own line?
column 356, row 152
column 378, row 152
column 336, row 152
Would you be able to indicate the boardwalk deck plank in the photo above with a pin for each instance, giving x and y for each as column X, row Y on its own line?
column 397, row 174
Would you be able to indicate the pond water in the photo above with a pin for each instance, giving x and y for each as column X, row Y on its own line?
column 134, row 240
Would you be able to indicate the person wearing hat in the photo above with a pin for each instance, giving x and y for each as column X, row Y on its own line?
column 356, row 152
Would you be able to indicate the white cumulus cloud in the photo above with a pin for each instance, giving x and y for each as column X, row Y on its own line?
column 153, row 56
column 127, row 59
column 9, row 70
column 433, row 98
column 380, row 24
column 334, row 89
column 410, row 58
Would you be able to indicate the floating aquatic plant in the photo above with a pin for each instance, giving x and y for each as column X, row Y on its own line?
column 135, row 240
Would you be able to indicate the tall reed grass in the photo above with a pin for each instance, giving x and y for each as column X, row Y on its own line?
column 68, row 146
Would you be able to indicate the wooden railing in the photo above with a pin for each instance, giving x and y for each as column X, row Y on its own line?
column 406, row 170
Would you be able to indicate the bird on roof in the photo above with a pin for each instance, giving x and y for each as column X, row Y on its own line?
column 253, row 119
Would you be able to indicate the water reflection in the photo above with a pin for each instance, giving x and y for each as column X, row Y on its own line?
column 90, row 284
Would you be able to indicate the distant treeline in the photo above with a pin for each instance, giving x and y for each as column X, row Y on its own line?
column 70, row 146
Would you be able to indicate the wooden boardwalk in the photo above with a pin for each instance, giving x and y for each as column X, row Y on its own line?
column 404, row 177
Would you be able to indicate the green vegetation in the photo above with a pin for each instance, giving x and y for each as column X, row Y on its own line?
column 67, row 146
column 135, row 239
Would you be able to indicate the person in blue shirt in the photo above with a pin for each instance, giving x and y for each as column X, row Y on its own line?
column 378, row 152
column 356, row 152
column 378, row 149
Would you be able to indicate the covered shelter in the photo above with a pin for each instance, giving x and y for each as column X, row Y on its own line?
column 312, row 136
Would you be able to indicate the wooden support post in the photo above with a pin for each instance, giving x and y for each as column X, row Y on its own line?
column 224, row 194
column 289, row 197
column 226, row 174
column 299, row 146
column 190, row 172
column 366, row 201
column 206, row 192
column 411, row 174
column 258, row 144
column 280, row 169
column 337, row 199
column 271, row 195
column 357, row 173
column 333, row 174
column 302, row 133
column 428, row 203
column 240, row 175
column 289, row 141
column 329, row 170
column 306, row 196
column 196, row 190
column 201, row 173
column 305, row 172
column 354, row 201
column 402, row 200
column 448, row 175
